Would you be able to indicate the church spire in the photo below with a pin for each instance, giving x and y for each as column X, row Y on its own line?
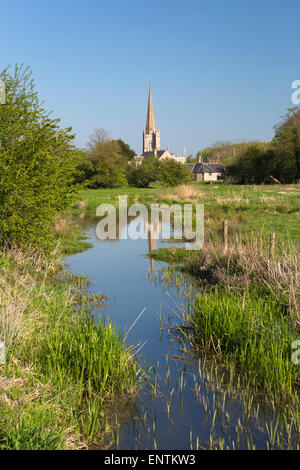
column 150, row 125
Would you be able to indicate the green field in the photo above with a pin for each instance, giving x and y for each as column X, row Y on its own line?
column 256, row 293
column 262, row 209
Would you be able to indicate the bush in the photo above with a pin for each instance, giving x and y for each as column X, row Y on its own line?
column 143, row 175
column 105, row 165
column 169, row 172
column 173, row 173
column 37, row 167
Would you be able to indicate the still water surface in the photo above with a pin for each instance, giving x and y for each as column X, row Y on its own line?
column 177, row 417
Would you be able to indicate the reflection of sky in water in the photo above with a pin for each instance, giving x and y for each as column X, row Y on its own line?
column 118, row 270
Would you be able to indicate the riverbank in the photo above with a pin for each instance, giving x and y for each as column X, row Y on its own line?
column 247, row 274
column 246, row 310
column 261, row 209
column 203, row 392
column 61, row 374
column 244, row 314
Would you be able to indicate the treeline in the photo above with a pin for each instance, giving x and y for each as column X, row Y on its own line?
column 109, row 163
column 258, row 162
column 38, row 165
column 226, row 152
column 41, row 170
column 168, row 172
column 279, row 162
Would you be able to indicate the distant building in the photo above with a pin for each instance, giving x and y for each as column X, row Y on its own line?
column 207, row 171
column 151, row 139
column 151, row 135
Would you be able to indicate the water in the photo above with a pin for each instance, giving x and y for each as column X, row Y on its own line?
column 188, row 411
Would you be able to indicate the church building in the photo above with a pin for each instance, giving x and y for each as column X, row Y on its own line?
column 151, row 138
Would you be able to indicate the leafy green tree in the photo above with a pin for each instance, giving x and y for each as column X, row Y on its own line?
column 279, row 161
column 37, row 164
column 205, row 154
column 105, row 165
column 141, row 176
column 126, row 150
column 247, row 169
column 173, row 173
column 286, row 143
column 168, row 171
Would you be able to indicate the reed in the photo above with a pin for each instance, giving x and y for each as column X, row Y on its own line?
column 63, row 374
column 252, row 333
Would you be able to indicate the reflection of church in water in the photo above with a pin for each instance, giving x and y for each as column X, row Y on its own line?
column 151, row 231
column 153, row 235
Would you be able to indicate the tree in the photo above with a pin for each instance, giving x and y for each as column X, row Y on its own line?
column 227, row 152
column 105, row 165
column 173, row 173
column 279, row 161
column 168, row 171
column 99, row 136
column 286, row 143
column 141, row 176
column 249, row 167
column 37, row 167
column 126, row 150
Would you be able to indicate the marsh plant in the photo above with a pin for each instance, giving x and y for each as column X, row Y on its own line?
column 63, row 373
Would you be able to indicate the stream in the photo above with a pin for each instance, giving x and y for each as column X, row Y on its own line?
column 188, row 410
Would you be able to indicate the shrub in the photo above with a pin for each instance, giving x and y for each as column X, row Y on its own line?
column 173, row 173
column 143, row 175
column 168, row 171
column 36, row 165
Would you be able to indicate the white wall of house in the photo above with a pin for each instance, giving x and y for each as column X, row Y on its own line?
column 211, row 176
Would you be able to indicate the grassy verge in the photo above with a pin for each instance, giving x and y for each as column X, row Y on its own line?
column 69, row 236
column 247, row 310
column 253, row 333
column 261, row 209
column 61, row 373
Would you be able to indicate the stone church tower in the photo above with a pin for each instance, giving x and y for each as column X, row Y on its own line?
column 151, row 136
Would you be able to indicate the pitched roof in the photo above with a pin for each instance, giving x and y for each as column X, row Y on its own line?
column 159, row 153
column 191, row 166
column 208, row 168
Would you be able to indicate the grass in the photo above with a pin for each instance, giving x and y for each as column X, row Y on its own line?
column 69, row 236
column 62, row 373
column 262, row 208
column 256, row 335
column 90, row 199
column 246, row 309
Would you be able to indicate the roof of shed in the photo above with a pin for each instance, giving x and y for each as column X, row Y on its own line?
column 208, row 168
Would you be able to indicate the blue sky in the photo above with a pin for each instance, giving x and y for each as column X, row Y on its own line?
column 220, row 70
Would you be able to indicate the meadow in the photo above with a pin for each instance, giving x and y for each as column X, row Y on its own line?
column 259, row 208
column 63, row 376
column 247, row 307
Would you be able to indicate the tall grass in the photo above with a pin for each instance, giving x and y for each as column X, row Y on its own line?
column 62, row 373
column 247, row 309
column 253, row 333
column 94, row 357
